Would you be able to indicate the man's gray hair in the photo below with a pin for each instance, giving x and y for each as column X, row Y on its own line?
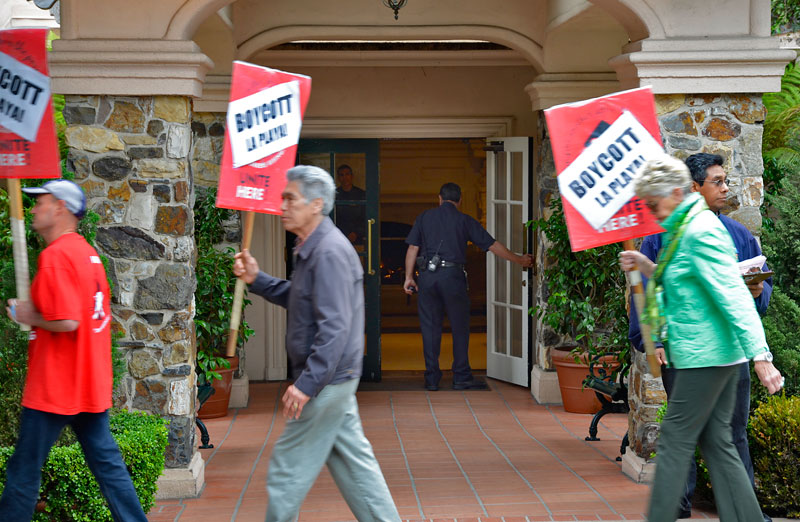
column 314, row 183
column 659, row 177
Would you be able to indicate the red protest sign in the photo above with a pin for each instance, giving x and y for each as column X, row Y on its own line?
column 598, row 145
column 28, row 145
column 265, row 114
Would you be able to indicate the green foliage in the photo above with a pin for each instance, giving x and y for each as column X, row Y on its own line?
column 586, row 291
column 781, row 325
column 781, row 141
column 782, row 242
column 774, row 434
column 785, row 16
column 68, row 487
column 215, row 289
column 13, row 366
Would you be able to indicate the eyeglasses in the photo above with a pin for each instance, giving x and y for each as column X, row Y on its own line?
column 718, row 182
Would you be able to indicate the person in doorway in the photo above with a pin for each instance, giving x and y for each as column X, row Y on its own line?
column 710, row 180
column 702, row 312
column 437, row 245
column 350, row 218
column 325, row 348
column 70, row 345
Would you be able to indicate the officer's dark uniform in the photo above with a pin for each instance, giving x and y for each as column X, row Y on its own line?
column 445, row 230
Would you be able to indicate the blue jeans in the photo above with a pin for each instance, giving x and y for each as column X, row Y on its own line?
column 741, row 412
column 37, row 433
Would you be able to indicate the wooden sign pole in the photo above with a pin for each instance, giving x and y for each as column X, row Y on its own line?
column 20, row 247
column 635, row 280
column 238, row 294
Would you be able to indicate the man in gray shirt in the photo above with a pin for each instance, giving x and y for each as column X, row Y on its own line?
column 325, row 347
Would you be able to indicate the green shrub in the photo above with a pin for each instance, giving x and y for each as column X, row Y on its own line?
column 775, row 448
column 68, row 487
column 781, row 325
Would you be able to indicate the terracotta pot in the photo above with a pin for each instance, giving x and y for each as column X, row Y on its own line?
column 217, row 405
column 571, row 374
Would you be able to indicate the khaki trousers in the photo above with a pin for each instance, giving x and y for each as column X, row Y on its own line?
column 328, row 432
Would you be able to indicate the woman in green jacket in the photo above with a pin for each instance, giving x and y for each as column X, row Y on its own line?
column 700, row 308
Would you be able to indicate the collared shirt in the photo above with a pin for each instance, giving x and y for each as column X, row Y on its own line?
column 445, row 230
column 325, row 305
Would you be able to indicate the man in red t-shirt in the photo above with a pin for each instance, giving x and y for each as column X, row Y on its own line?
column 69, row 360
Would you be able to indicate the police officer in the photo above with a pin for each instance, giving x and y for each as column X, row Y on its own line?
column 437, row 246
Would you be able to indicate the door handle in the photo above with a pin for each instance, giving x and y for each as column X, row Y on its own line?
column 370, row 270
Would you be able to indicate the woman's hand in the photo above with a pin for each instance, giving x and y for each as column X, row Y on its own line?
column 634, row 260
column 769, row 376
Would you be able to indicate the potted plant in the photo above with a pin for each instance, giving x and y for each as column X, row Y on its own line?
column 585, row 306
column 213, row 305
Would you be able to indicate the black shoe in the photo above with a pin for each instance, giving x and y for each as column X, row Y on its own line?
column 685, row 513
column 432, row 387
column 474, row 384
column 767, row 518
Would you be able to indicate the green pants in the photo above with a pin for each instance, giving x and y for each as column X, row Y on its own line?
column 328, row 432
column 699, row 412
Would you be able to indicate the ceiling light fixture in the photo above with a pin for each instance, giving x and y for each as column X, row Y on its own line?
column 394, row 5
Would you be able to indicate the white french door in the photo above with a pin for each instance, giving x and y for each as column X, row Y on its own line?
column 508, row 178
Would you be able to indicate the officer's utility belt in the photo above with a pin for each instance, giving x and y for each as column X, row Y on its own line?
column 434, row 263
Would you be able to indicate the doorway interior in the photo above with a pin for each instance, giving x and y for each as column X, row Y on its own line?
column 411, row 173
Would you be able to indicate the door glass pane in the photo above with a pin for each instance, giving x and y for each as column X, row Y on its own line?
column 517, row 231
column 317, row 159
column 501, row 330
column 500, row 179
column 516, row 332
column 515, row 284
column 501, row 264
column 500, row 223
column 350, row 209
column 516, row 176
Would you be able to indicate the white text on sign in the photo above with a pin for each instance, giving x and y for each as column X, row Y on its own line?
column 249, row 192
column 24, row 96
column 600, row 181
column 264, row 123
column 14, row 153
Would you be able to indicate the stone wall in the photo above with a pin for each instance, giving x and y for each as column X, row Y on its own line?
column 131, row 156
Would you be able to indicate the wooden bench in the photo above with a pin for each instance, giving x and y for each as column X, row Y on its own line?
column 612, row 392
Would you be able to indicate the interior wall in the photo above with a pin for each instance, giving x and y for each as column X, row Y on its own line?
column 386, row 92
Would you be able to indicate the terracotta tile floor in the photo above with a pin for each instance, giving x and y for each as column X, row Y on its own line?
column 471, row 456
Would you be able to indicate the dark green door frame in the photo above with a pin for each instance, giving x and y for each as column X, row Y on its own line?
column 370, row 255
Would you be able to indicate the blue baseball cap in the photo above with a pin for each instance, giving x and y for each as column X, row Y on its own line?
column 67, row 191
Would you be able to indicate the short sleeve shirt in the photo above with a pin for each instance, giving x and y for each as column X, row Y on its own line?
column 70, row 372
column 446, row 230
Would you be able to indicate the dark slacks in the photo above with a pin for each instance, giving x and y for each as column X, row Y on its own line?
column 700, row 412
column 37, row 434
column 741, row 413
column 440, row 292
